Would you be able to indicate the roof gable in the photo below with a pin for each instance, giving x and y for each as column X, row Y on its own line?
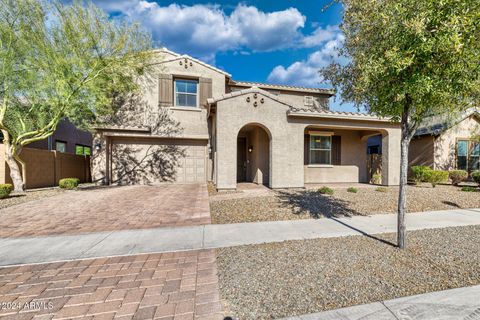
column 175, row 57
column 436, row 125
column 257, row 90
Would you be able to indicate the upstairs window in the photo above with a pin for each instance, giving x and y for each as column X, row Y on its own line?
column 61, row 146
column 186, row 93
column 82, row 150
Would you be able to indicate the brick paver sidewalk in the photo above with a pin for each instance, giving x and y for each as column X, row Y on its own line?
column 180, row 286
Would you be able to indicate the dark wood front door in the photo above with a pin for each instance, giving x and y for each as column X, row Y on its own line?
column 241, row 159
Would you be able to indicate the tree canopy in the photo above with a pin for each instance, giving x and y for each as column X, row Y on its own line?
column 62, row 60
column 409, row 60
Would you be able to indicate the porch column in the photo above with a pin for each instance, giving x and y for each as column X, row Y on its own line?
column 391, row 157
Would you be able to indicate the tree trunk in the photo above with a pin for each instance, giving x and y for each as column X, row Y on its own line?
column 402, row 195
column 18, row 182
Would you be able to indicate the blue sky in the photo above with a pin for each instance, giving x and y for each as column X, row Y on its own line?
column 266, row 41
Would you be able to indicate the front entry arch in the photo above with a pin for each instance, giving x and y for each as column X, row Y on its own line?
column 253, row 154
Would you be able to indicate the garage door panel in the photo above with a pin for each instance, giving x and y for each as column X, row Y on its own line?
column 151, row 161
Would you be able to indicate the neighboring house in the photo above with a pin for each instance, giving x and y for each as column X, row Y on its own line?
column 446, row 142
column 45, row 167
column 67, row 138
column 195, row 124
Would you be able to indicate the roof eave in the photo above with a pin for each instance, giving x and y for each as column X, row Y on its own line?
column 337, row 116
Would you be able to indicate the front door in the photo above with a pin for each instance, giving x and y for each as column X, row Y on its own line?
column 241, row 159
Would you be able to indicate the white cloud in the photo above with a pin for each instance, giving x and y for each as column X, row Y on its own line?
column 204, row 30
column 320, row 35
column 306, row 72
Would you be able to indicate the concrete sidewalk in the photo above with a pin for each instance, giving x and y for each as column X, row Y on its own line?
column 461, row 303
column 117, row 243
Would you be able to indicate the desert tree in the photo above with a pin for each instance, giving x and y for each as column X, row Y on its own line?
column 61, row 61
column 408, row 60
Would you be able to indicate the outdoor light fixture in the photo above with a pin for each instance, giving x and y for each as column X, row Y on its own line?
column 250, row 149
column 98, row 146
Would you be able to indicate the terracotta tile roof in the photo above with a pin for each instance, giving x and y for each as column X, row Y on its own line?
column 335, row 114
column 281, row 87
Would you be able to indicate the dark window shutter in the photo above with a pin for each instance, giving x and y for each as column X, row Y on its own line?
column 336, row 150
column 205, row 90
column 165, row 90
column 306, row 149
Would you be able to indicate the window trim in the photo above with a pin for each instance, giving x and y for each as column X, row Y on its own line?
column 310, row 149
column 186, row 93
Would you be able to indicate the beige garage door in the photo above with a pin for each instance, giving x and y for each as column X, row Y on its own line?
column 142, row 161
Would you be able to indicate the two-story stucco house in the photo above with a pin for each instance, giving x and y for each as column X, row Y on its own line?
column 194, row 124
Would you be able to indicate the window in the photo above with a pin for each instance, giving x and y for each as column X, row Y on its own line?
column 186, row 92
column 61, row 146
column 82, row 150
column 308, row 101
column 320, row 149
column 468, row 155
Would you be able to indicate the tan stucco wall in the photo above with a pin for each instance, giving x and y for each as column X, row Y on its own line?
column 445, row 144
column 421, row 151
column 287, row 144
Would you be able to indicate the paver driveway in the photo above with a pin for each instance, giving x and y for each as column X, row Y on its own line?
column 180, row 285
column 108, row 209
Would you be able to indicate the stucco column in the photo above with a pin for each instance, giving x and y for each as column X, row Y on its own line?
column 391, row 157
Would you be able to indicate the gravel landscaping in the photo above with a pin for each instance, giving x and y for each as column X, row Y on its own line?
column 29, row 196
column 297, row 277
column 303, row 204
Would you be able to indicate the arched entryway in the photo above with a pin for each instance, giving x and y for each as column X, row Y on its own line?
column 253, row 154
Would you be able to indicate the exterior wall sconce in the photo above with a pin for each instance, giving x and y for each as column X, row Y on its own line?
column 98, row 146
column 250, row 149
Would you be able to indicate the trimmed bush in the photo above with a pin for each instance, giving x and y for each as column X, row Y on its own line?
column 68, row 183
column 457, row 176
column 325, row 190
column 5, row 190
column 420, row 173
column 469, row 189
column 376, row 178
column 381, row 189
column 352, row 190
column 436, row 176
column 476, row 176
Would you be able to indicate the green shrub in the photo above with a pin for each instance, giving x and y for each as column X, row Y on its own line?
column 5, row 190
column 68, row 183
column 469, row 189
column 325, row 190
column 436, row 176
column 457, row 176
column 352, row 190
column 376, row 178
column 476, row 176
column 420, row 173
column 381, row 189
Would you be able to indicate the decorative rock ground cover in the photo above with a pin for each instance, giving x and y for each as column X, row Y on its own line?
column 304, row 204
column 298, row 277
